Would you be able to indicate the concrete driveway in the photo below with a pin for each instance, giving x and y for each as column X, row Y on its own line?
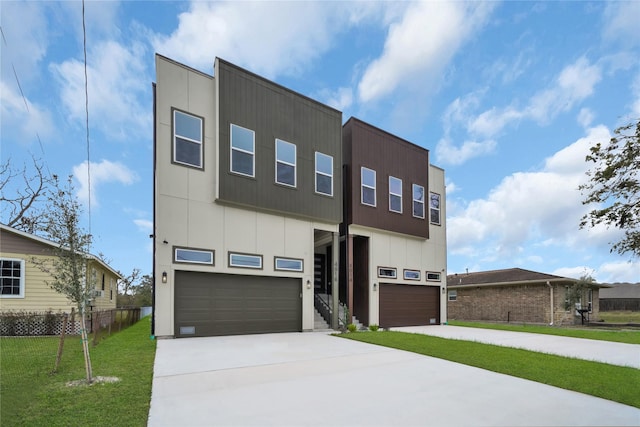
column 298, row 379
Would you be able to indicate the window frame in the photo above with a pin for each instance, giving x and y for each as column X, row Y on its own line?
column 363, row 186
column 241, row 254
column 241, row 150
column 435, row 209
column 390, row 269
column 284, row 162
column 439, row 279
column 188, row 139
column 414, row 201
column 189, row 249
column 391, row 194
column 317, row 172
column 22, row 278
column 408, row 270
column 452, row 295
column 281, row 258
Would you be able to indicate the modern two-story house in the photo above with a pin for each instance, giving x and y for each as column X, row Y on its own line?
column 394, row 259
column 249, row 204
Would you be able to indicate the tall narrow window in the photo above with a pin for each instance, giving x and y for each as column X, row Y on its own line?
column 368, row 186
column 285, row 163
column 395, row 194
column 242, row 150
column 434, row 208
column 11, row 278
column 324, row 174
column 187, row 139
column 418, row 201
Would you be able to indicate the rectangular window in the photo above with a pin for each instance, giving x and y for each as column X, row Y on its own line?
column 453, row 295
column 187, row 139
column 395, row 194
column 388, row 272
column 103, row 281
column 434, row 208
column 433, row 277
column 411, row 275
column 590, row 299
column 288, row 264
column 418, row 201
column 193, row 256
column 243, row 146
column 368, row 186
column 11, row 278
column 285, row 163
column 245, row 260
column 324, row 174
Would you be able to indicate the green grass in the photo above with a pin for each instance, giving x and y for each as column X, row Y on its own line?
column 624, row 336
column 33, row 396
column 620, row 316
column 609, row 382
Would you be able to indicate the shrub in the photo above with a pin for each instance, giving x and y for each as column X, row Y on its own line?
column 351, row 327
column 373, row 327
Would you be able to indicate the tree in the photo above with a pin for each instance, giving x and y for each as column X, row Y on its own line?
column 69, row 265
column 126, row 284
column 577, row 292
column 143, row 292
column 614, row 184
column 21, row 201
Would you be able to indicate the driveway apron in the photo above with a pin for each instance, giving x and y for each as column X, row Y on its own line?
column 314, row 379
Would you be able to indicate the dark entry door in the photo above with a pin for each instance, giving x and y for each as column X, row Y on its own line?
column 209, row 304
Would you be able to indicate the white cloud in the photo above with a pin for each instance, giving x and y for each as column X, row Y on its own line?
column 100, row 173
column 267, row 38
column 144, row 225
column 620, row 271
column 23, row 120
column 447, row 152
column 117, row 81
column 541, row 207
column 621, row 22
column 585, row 117
column 491, row 122
column 421, row 44
column 340, row 99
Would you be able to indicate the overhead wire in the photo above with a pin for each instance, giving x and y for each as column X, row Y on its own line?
column 86, row 108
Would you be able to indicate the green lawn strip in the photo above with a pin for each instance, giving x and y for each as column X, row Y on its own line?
column 620, row 316
column 623, row 336
column 32, row 396
column 609, row 382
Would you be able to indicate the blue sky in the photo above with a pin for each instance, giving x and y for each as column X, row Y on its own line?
column 507, row 96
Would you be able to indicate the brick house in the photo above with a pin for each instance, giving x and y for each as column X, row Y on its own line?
column 517, row 295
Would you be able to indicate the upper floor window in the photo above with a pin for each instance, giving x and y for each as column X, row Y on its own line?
column 434, row 208
column 11, row 278
column 243, row 145
column 285, row 163
column 193, row 256
column 418, row 201
column 187, row 139
column 368, row 187
column 324, row 174
column 395, row 194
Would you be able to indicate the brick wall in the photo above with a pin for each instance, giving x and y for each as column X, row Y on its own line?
column 520, row 304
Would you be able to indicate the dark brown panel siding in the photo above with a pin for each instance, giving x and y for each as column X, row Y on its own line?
column 388, row 155
column 408, row 305
column 225, row 304
column 272, row 111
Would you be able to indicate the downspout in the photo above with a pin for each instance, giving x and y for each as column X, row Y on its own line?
column 551, row 298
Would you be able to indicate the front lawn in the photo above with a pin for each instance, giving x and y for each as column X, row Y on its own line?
column 624, row 336
column 609, row 382
column 33, row 396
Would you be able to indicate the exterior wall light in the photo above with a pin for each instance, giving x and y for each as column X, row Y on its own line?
column 308, row 284
column 164, row 277
column 375, row 286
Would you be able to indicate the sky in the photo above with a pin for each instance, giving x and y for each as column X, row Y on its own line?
column 507, row 96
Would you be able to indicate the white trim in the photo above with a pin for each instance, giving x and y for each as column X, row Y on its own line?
column 389, row 269
column 275, row 266
column 363, row 186
column 252, row 153
column 295, row 167
column 200, row 143
column 395, row 194
column 237, row 254
column 323, row 173
column 414, row 200
column 20, row 295
column 175, row 256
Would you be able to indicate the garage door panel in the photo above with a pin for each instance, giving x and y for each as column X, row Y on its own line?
column 209, row 304
column 409, row 305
